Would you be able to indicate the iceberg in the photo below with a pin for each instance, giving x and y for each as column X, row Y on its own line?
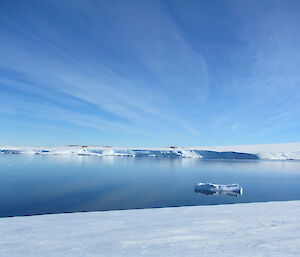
column 289, row 151
column 216, row 189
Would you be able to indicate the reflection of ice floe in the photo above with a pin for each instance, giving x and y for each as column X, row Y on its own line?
column 215, row 189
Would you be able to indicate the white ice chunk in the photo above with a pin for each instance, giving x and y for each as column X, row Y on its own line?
column 213, row 189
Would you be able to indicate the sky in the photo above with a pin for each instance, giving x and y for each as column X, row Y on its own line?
column 149, row 73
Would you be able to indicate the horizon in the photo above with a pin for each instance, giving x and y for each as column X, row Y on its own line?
column 149, row 74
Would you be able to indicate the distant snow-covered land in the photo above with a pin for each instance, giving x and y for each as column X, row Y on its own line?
column 254, row 229
column 269, row 151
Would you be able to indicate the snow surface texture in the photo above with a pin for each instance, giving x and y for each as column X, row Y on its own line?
column 289, row 151
column 255, row 229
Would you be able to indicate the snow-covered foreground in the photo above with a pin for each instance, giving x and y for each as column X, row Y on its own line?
column 272, row 151
column 255, row 229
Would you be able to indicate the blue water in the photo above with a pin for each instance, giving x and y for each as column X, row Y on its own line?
column 37, row 184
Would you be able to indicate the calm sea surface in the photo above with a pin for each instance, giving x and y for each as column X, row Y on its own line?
column 36, row 184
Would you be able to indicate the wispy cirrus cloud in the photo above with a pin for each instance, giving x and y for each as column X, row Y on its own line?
column 264, row 95
column 51, row 64
column 167, row 71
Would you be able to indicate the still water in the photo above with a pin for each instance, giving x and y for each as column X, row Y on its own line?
column 36, row 184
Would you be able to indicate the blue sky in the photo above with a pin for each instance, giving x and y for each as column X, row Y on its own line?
column 149, row 73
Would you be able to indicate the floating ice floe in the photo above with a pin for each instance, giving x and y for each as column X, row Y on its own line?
column 215, row 189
